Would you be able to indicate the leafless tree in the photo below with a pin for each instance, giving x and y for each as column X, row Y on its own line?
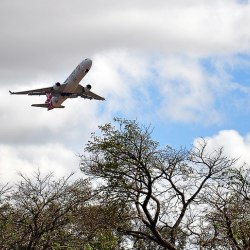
column 39, row 209
column 227, row 219
column 44, row 212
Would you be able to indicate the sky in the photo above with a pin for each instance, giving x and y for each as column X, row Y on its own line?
column 182, row 66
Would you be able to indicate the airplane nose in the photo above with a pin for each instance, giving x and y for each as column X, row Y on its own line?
column 88, row 62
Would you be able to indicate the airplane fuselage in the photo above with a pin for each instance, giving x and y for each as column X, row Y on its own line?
column 72, row 82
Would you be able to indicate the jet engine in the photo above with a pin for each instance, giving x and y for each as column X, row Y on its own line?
column 54, row 101
column 56, row 86
column 87, row 88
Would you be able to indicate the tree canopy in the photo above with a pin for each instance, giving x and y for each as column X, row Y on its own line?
column 173, row 194
column 45, row 212
column 133, row 194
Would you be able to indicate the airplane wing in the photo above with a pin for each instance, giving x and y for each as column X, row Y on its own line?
column 86, row 93
column 42, row 91
column 81, row 91
column 93, row 96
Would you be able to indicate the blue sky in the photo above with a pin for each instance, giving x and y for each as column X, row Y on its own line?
column 232, row 104
column 181, row 66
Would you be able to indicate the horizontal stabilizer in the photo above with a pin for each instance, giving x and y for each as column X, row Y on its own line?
column 45, row 105
column 40, row 105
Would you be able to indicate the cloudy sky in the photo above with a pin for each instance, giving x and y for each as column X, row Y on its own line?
column 182, row 66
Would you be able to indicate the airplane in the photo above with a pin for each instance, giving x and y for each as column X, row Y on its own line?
column 71, row 88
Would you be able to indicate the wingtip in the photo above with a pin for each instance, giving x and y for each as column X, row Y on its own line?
column 11, row 92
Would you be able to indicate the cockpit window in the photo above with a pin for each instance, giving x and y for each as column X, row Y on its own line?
column 87, row 70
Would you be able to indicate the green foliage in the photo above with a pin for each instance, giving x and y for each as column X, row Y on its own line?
column 104, row 240
column 163, row 187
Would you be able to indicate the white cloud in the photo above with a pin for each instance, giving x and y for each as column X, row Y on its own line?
column 46, row 35
column 176, row 88
column 118, row 75
column 47, row 158
column 234, row 144
column 187, row 91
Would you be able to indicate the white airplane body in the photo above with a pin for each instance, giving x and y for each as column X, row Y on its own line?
column 71, row 88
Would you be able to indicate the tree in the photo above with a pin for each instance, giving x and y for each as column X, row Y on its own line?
column 228, row 217
column 44, row 212
column 164, row 188
column 40, row 211
column 4, row 219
